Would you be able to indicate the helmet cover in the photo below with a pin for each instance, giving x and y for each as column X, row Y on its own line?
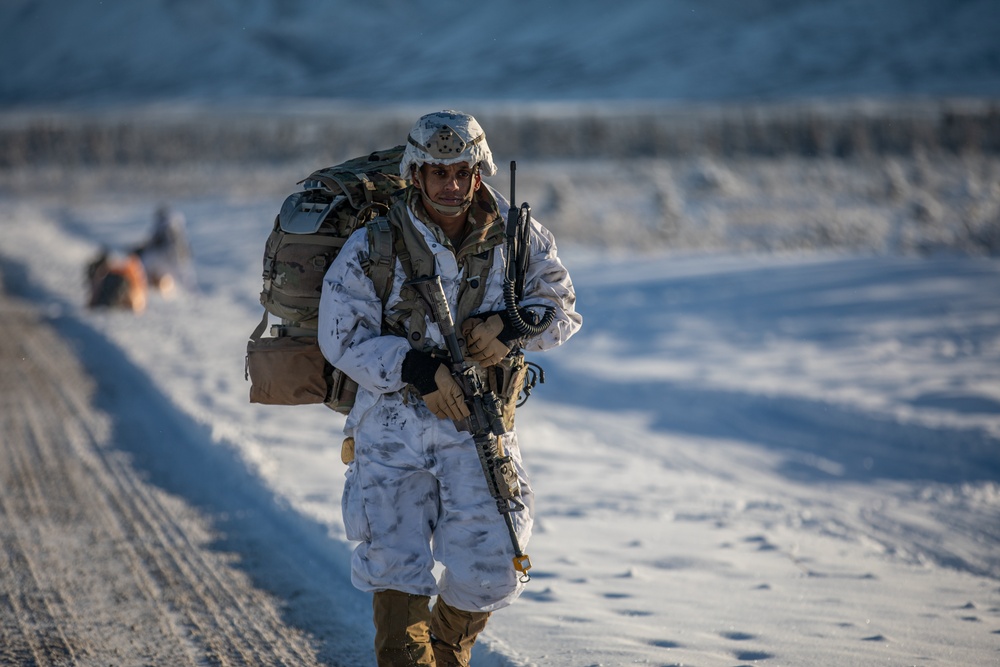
column 447, row 137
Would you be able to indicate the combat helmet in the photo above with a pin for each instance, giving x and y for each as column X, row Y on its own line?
column 447, row 137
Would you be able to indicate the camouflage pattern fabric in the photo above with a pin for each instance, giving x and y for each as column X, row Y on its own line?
column 414, row 476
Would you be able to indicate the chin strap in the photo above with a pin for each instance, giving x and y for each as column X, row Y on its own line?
column 447, row 210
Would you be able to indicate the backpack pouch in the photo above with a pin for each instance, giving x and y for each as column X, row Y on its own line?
column 287, row 371
column 291, row 370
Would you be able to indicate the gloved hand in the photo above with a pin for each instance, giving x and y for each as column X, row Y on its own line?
column 434, row 381
column 483, row 339
column 447, row 401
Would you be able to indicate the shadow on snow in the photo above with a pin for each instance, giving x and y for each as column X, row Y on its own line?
column 833, row 304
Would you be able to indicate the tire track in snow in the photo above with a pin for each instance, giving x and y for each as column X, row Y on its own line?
column 98, row 566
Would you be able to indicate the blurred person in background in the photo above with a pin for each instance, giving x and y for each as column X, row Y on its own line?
column 116, row 280
column 166, row 255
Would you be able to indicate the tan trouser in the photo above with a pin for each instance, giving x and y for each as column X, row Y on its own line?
column 402, row 623
column 453, row 633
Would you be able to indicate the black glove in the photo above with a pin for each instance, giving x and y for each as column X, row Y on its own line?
column 419, row 369
column 436, row 385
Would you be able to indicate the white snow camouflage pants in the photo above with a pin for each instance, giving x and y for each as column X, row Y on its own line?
column 416, row 493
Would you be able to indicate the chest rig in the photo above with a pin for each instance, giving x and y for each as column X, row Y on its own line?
column 394, row 237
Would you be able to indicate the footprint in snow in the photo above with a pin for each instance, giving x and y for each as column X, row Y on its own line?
column 752, row 656
column 616, row 596
column 763, row 544
column 969, row 606
column 545, row 595
column 544, row 575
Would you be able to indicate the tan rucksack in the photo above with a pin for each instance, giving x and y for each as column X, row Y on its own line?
column 287, row 367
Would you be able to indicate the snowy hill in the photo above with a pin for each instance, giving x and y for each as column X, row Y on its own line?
column 64, row 52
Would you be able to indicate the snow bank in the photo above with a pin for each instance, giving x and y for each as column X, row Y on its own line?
column 927, row 199
column 286, row 130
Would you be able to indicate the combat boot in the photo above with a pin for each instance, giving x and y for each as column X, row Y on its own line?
column 453, row 632
column 402, row 636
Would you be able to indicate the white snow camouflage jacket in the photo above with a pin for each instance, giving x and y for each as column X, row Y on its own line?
column 350, row 312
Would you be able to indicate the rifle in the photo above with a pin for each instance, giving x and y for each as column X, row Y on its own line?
column 485, row 421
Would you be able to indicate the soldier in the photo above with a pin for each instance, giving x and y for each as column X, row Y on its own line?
column 166, row 254
column 415, row 492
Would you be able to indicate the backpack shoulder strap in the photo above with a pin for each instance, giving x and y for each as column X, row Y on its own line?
column 381, row 256
column 386, row 243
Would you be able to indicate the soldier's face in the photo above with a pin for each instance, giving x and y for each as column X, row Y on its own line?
column 449, row 185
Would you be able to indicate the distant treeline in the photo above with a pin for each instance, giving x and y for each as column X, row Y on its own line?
column 840, row 129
